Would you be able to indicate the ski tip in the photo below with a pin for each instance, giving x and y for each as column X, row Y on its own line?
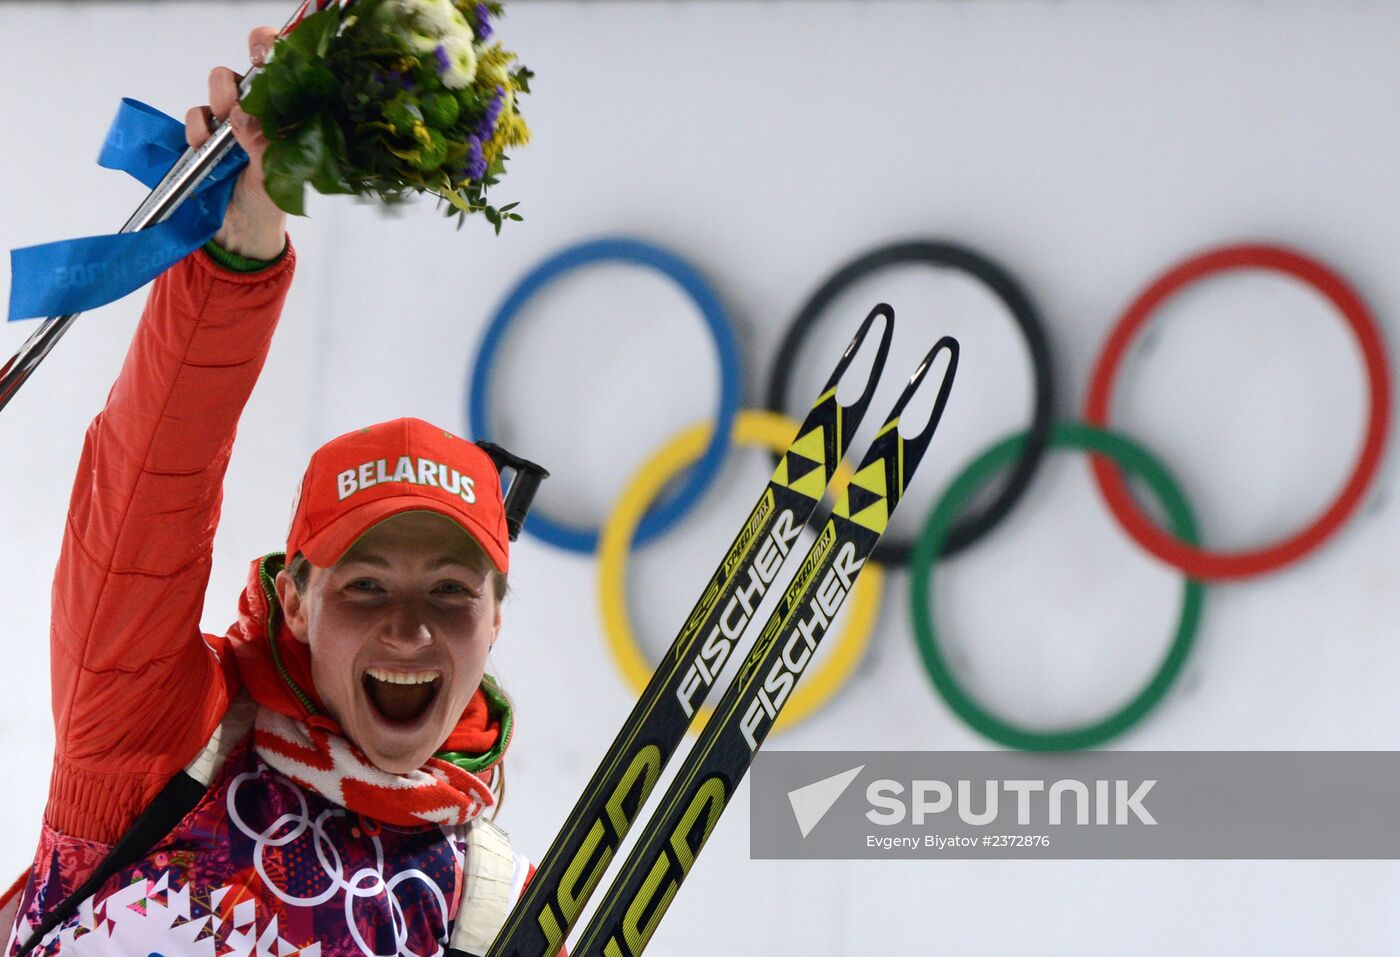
column 884, row 312
column 946, row 344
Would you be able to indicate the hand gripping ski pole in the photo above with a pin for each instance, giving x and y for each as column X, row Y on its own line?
column 167, row 196
column 600, row 820
column 663, row 855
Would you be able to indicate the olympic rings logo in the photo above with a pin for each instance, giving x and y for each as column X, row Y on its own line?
column 951, row 525
column 366, row 883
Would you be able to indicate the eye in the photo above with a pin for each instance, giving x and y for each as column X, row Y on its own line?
column 454, row 588
column 367, row 585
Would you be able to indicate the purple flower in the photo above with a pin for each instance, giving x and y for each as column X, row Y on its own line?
column 394, row 79
column 444, row 64
column 475, row 167
column 483, row 23
column 487, row 126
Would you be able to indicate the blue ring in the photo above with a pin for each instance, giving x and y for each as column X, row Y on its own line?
column 673, row 507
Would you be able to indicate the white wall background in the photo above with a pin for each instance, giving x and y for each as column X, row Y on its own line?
column 1085, row 145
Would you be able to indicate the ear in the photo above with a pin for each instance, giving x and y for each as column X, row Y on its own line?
column 293, row 607
column 496, row 625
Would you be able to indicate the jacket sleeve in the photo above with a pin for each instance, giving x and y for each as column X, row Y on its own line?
column 136, row 690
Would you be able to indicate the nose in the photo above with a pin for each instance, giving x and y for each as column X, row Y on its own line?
column 405, row 627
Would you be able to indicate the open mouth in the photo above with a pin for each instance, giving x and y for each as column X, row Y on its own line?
column 401, row 697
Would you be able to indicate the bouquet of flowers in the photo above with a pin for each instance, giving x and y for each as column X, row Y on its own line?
column 386, row 98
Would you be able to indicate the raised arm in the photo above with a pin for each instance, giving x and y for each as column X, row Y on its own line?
column 135, row 689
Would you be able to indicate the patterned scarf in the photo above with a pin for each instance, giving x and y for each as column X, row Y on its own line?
column 294, row 734
column 314, row 757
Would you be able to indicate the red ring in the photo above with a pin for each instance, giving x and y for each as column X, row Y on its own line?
column 1200, row 562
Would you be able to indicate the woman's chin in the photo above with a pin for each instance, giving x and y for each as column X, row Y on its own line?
column 394, row 758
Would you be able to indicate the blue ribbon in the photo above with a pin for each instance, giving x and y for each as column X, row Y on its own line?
column 75, row 275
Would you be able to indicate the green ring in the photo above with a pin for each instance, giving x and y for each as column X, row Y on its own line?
column 1137, row 461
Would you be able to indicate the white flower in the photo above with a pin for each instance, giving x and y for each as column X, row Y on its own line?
column 441, row 17
column 423, row 44
column 461, row 62
column 434, row 20
column 439, row 34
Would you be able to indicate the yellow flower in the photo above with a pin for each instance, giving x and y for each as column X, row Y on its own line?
column 510, row 131
column 495, row 66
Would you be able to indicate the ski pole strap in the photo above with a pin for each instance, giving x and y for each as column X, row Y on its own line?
column 179, row 796
column 75, row 275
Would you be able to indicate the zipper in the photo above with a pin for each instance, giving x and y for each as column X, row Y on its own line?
column 265, row 579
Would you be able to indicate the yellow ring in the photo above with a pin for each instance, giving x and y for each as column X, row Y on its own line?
column 751, row 427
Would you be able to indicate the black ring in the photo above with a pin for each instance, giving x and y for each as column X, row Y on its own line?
column 893, row 551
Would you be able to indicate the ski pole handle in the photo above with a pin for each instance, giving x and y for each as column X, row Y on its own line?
column 524, row 483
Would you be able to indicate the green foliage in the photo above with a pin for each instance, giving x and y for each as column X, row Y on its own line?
column 389, row 99
column 441, row 110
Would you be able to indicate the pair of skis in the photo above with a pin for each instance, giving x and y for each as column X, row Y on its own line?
column 636, row 901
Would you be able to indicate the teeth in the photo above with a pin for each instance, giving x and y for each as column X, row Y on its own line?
column 403, row 677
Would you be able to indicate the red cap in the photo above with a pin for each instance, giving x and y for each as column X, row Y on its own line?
column 358, row 480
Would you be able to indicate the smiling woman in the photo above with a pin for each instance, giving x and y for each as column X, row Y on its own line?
column 343, row 726
column 399, row 629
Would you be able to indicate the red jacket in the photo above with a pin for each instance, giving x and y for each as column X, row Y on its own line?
column 137, row 689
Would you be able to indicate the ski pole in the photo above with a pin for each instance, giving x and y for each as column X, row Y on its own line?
column 177, row 185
